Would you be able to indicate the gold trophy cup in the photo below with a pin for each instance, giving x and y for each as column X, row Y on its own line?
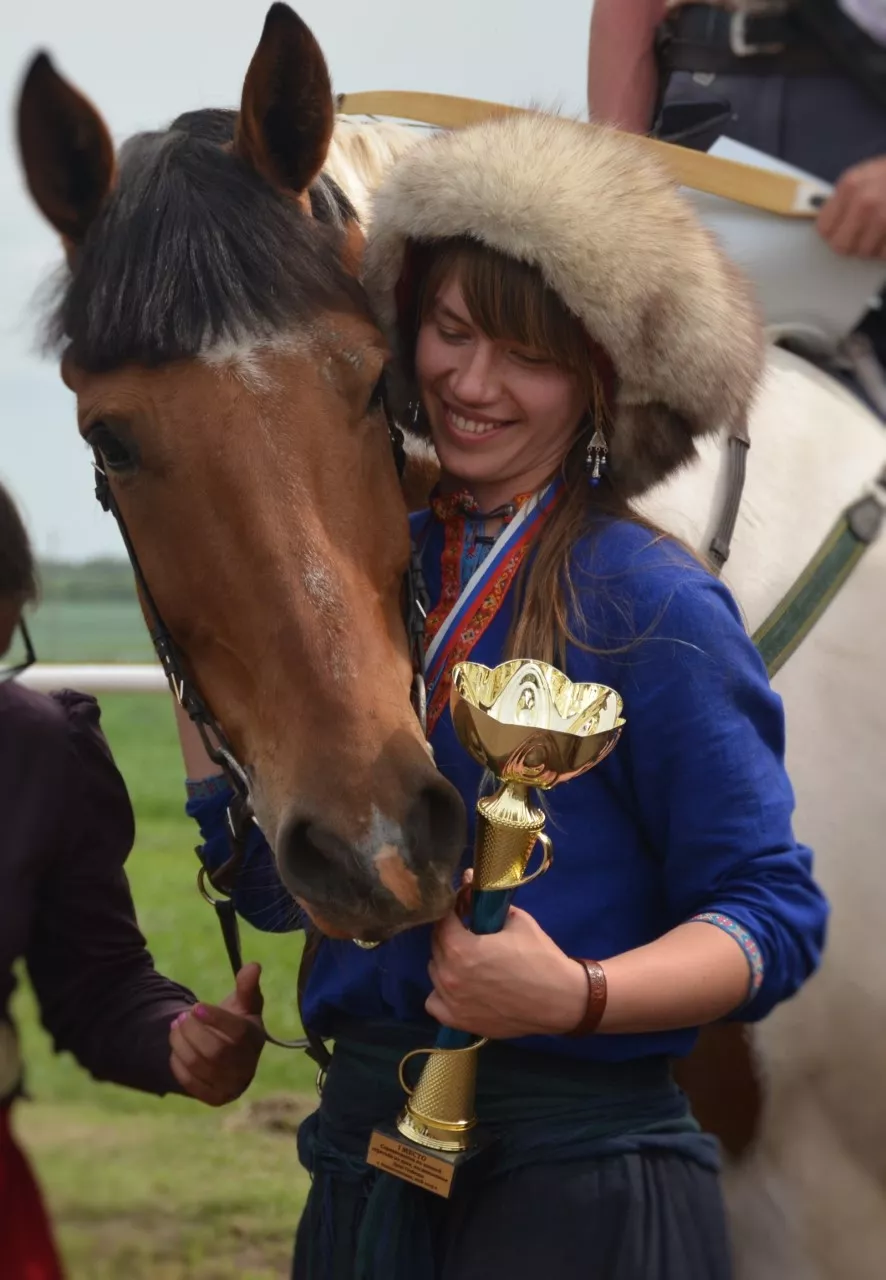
column 532, row 728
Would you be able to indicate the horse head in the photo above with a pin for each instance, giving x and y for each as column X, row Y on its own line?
column 227, row 372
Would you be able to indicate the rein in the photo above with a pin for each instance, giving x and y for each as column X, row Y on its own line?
column 239, row 815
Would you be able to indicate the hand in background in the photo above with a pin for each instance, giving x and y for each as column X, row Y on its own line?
column 853, row 222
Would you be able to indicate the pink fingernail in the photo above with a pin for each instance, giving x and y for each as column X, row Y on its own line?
column 181, row 1017
column 199, row 1011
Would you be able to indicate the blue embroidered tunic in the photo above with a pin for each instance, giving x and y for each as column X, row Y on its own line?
column 688, row 818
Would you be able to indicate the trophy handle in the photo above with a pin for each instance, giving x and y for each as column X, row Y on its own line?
column 408, row 1089
column 547, row 857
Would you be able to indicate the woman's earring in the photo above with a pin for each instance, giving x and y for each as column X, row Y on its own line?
column 597, row 456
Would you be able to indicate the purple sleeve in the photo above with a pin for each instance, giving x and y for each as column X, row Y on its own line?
column 100, row 996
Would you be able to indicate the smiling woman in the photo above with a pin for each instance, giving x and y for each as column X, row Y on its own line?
column 546, row 344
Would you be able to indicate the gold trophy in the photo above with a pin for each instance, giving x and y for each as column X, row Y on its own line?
column 531, row 728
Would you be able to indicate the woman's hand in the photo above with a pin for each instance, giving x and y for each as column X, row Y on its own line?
column 504, row 985
column 216, row 1048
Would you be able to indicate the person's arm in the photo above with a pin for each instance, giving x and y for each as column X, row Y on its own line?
column 703, row 756
column 519, row 982
column 198, row 765
column 622, row 72
column 259, row 895
column 99, row 994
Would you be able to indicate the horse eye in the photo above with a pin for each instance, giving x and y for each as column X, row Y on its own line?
column 118, row 455
column 377, row 399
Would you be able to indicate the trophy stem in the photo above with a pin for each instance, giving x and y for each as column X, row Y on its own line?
column 509, row 826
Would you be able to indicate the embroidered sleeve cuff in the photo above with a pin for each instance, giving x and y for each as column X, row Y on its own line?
column 744, row 939
column 203, row 788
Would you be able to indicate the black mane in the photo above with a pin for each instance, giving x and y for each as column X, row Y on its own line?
column 193, row 247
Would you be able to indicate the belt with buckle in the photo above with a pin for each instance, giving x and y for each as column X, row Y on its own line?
column 707, row 39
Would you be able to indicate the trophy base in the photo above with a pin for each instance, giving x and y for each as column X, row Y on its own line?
column 431, row 1170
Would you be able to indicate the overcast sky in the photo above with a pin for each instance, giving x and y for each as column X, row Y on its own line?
column 142, row 64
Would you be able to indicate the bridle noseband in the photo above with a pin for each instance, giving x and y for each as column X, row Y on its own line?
column 239, row 814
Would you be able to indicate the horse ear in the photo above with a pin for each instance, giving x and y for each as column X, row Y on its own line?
column 287, row 113
column 65, row 148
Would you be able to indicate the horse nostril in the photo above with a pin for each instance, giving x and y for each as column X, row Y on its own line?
column 312, row 860
column 436, row 827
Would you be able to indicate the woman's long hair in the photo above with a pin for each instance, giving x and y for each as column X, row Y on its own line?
column 508, row 300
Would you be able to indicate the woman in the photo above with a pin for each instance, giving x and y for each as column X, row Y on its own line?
column 66, row 909
column 561, row 365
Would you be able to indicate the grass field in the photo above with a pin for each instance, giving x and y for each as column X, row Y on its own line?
column 166, row 1189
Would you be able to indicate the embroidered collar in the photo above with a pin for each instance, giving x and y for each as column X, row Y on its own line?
column 462, row 503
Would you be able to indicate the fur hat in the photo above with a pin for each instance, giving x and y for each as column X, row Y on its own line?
column 624, row 251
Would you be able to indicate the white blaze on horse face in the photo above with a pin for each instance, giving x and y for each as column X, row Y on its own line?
column 244, row 357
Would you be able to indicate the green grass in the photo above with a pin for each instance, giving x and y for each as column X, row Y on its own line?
column 165, row 1189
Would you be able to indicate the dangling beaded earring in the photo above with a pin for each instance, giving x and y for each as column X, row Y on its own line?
column 597, row 457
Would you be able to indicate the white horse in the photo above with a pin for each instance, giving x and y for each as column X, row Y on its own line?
column 808, row 1200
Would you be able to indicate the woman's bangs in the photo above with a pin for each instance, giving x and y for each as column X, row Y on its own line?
column 509, row 301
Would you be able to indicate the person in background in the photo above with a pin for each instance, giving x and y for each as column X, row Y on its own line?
column 796, row 79
column 67, row 911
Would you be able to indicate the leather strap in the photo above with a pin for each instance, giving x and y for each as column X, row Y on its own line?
column 744, row 183
column 737, row 447
column 597, row 995
column 855, row 531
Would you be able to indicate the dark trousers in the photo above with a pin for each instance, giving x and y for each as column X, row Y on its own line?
column 644, row 1216
column 596, row 1172
column 631, row 1217
column 823, row 124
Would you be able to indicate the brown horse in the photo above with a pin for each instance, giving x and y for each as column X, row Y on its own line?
column 227, row 371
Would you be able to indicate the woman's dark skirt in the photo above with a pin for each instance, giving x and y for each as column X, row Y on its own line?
column 602, row 1176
